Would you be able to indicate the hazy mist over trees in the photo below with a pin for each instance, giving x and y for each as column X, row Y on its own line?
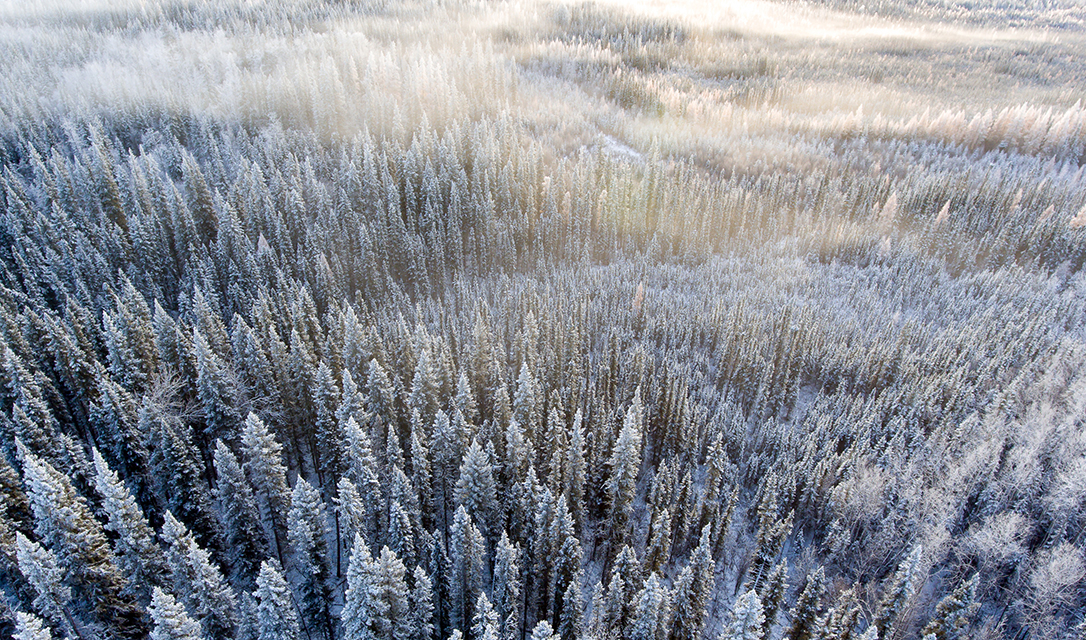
column 735, row 320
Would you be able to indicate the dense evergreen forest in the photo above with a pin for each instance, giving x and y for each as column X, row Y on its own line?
column 497, row 321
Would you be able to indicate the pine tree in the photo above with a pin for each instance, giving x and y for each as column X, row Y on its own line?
column 171, row 621
column 276, row 618
column 306, row 529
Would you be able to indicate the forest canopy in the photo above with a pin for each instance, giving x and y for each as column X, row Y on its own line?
column 416, row 320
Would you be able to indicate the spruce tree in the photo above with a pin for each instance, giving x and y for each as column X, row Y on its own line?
column 381, row 399
column 772, row 594
column 544, row 631
column 424, row 388
column 806, row 610
column 528, row 404
column 326, row 398
column 217, row 390
column 900, row 588
column 358, row 608
column 264, row 466
column 485, row 624
column 199, row 581
column 361, row 470
column 658, row 551
column 625, row 463
column 475, row 489
column 40, row 568
column 245, row 540
column 651, row 615
column 421, row 601
column 276, row 618
column 64, row 523
column 351, row 510
column 953, row 613
column 139, row 556
column 179, row 471
column 507, row 588
column 171, row 621
column 29, row 627
column 467, row 556
column 574, row 476
column 307, row 530
column 693, row 590
column 839, row 621
column 747, row 618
